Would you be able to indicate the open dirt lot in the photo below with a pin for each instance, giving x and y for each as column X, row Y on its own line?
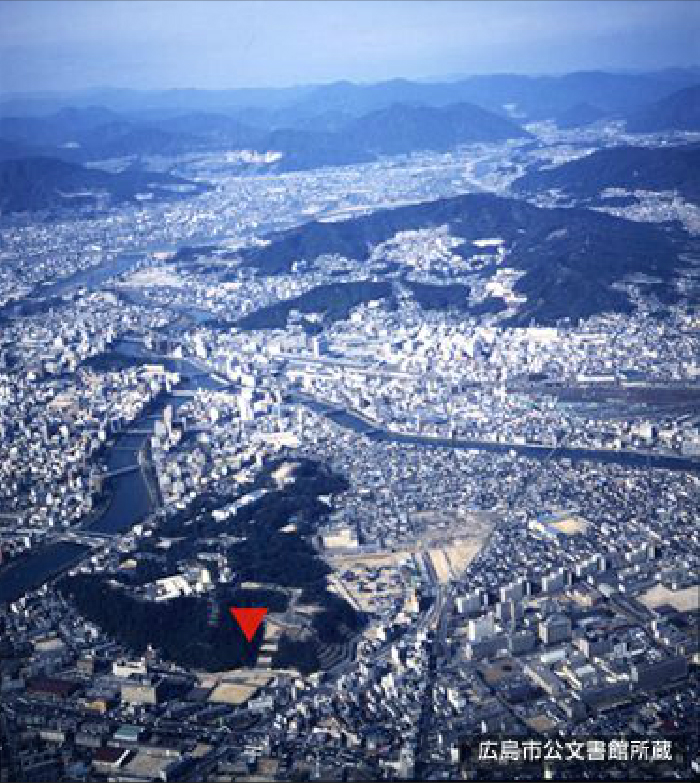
column 237, row 689
column 685, row 600
column 571, row 525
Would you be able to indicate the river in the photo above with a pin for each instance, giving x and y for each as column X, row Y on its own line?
column 351, row 421
column 93, row 277
column 129, row 497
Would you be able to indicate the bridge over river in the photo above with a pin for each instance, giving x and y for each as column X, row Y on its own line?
column 89, row 538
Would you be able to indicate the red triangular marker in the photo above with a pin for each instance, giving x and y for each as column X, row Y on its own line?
column 248, row 619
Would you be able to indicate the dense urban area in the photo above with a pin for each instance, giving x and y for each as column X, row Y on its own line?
column 436, row 410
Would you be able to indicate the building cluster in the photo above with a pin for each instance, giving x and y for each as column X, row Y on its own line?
column 554, row 626
column 54, row 435
column 407, row 372
column 514, row 582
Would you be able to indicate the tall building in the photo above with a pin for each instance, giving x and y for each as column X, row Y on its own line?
column 480, row 628
column 554, row 629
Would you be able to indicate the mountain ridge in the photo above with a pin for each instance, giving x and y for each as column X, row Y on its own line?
column 570, row 257
column 538, row 96
column 629, row 167
column 679, row 111
column 35, row 183
column 396, row 129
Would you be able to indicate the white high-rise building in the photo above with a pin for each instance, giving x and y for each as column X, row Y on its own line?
column 480, row 628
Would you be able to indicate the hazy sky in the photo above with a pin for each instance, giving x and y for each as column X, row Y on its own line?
column 182, row 43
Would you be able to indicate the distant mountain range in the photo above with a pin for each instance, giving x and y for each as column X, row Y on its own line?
column 578, row 115
column 532, row 97
column 396, row 130
column 339, row 123
column 30, row 184
column 61, row 127
column 89, row 134
column 570, row 257
column 679, row 111
column 535, row 97
column 402, row 128
column 645, row 168
column 333, row 125
column 80, row 135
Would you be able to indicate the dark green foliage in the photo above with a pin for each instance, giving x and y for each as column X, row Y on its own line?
column 679, row 111
column 570, row 256
column 334, row 300
column 490, row 305
column 180, row 628
column 440, row 297
column 337, row 621
column 28, row 184
column 188, row 253
column 265, row 555
column 279, row 558
column 273, row 600
column 268, row 555
column 111, row 362
column 645, row 168
column 578, row 115
column 300, row 654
